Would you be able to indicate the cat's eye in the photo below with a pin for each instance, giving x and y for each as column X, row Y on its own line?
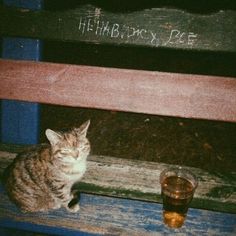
column 70, row 152
column 65, row 151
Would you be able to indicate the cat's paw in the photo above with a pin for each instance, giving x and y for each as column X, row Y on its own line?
column 75, row 208
column 24, row 210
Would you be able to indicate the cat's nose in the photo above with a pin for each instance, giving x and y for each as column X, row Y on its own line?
column 77, row 155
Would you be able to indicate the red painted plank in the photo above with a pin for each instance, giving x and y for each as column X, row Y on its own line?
column 171, row 94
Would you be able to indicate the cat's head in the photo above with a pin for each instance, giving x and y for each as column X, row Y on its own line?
column 72, row 145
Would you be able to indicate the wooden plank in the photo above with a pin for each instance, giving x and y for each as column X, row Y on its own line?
column 140, row 180
column 101, row 215
column 156, row 27
column 171, row 94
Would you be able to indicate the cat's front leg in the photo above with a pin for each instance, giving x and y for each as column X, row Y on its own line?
column 73, row 207
column 73, row 204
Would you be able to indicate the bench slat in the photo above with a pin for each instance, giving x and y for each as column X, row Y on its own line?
column 140, row 180
column 171, row 94
column 112, row 216
column 157, row 27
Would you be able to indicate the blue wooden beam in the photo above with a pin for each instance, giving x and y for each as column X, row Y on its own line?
column 29, row 4
column 11, row 227
column 20, row 120
column 100, row 215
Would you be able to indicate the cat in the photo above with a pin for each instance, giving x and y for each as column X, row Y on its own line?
column 41, row 178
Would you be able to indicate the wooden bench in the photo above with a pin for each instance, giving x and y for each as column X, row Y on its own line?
column 109, row 177
column 130, row 203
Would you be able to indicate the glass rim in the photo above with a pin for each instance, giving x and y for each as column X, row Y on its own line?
column 179, row 171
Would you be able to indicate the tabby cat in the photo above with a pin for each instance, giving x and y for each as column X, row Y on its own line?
column 41, row 178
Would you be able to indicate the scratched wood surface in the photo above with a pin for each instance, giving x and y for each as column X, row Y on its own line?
column 140, row 180
column 102, row 215
column 156, row 27
column 171, row 94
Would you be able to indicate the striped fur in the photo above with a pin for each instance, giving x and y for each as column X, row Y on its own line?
column 41, row 178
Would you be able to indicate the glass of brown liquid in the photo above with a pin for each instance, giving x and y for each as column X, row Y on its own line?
column 177, row 187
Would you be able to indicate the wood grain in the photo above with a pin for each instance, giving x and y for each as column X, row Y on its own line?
column 170, row 94
column 140, row 180
column 191, row 96
column 156, row 27
column 101, row 215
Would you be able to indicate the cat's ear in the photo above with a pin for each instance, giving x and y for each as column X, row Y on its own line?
column 82, row 130
column 53, row 137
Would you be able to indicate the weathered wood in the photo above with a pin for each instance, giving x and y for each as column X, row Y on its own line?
column 140, row 180
column 158, row 27
column 171, row 94
column 112, row 216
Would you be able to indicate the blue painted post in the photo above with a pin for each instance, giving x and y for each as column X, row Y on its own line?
column 20, row 120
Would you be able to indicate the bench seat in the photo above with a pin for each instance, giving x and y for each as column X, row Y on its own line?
column 128, row 202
